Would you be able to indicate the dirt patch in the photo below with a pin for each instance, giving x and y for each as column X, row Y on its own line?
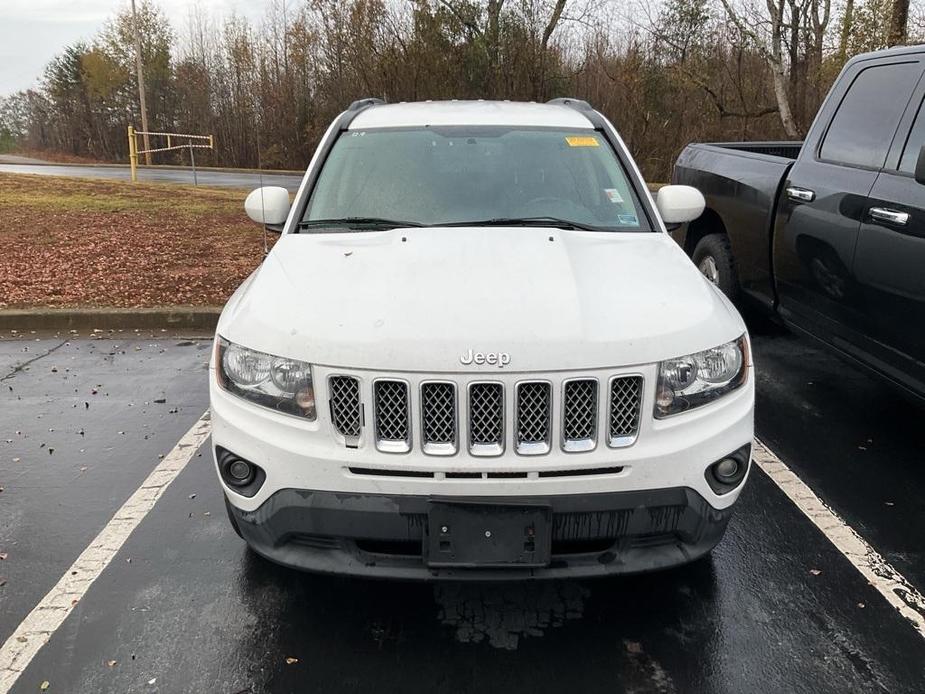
column 68, row 242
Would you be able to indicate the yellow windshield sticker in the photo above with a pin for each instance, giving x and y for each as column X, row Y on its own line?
column 577, row 141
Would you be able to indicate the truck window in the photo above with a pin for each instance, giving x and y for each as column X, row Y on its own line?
column 866, row 119
column 456, row 174
column 914, row 143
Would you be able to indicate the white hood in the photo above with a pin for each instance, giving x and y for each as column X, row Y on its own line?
column 419, row 299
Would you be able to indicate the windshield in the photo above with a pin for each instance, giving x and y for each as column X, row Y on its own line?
column 457, row 175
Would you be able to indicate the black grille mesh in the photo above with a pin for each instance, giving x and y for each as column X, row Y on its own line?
column 392, row 411
column 533, row 407
column 486, row 413
column 345, row 405
column 625, row 398
column 438, row 407
column 579, row 410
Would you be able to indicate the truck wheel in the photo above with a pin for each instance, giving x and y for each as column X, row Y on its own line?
column 713, row 257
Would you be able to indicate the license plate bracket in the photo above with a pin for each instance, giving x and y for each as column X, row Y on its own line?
column 473, row 534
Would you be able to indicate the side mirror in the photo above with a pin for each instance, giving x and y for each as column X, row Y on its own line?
column 678, row 204
column 268, row 206
column 920, row 167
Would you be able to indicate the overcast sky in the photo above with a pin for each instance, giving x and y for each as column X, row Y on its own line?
column 33, row 31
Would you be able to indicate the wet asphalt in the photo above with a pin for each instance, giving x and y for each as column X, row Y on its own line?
column 206, row 177
column 184, row 607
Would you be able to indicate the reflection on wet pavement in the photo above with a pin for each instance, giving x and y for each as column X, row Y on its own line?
column 505, row 613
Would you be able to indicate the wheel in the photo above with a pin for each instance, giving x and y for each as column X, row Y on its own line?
column 713, row 257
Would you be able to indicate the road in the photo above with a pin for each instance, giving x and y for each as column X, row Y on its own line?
column 207, row 177
column 184, row 607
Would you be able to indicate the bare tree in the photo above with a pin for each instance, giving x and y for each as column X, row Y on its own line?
column 899, row 21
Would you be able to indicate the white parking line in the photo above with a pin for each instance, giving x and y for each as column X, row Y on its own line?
column 39, row 625
column 878, row 572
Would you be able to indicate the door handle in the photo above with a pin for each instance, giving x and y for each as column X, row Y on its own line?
column 882, row 214
column 801, row 194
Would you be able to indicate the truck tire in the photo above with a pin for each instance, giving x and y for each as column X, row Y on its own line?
column 713, row 257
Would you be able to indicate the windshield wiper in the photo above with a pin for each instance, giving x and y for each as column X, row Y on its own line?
column 357, row 223
column 523, row 222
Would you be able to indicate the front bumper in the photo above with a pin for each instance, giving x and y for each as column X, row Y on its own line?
column 378, row 535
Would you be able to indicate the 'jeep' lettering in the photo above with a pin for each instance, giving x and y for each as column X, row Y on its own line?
column 499, row 359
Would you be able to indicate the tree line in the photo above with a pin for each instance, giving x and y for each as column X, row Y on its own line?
column 686, row 70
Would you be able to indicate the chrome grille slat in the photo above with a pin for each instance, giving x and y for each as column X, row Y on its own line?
column 579, row 414
column 533, row 413
column 392, row 416
column 625, row 405
column 345, row 407
column 438, row 418
column 486, row 419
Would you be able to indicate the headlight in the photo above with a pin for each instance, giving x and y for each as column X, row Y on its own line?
column 279, row 383
column 697, row 379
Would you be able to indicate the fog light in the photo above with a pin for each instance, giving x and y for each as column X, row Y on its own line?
column 240, row 472
column 726, row 470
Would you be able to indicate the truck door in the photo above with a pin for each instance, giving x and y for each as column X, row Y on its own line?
column 824, row 198
column 889, row 263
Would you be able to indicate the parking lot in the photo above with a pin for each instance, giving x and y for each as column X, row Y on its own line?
column 182, row 606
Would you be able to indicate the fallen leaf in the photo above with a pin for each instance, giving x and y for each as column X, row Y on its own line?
column 815, row 572
column 152, row 680
column 45, row 685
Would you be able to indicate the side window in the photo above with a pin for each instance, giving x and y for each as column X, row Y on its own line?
column 866, row 119
column 914, row 142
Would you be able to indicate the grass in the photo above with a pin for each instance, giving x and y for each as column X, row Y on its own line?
column 80, row 242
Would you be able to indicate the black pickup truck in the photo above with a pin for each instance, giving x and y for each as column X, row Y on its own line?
column 829, row 233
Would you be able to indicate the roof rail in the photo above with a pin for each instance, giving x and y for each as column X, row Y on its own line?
column 577, row 104
column 364, row 103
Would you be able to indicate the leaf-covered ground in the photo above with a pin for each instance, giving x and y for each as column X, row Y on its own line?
column 72, row 242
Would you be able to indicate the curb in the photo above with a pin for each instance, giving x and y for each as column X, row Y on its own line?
column 195, row 318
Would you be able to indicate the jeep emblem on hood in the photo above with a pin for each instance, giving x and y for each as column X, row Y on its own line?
column 499, row 359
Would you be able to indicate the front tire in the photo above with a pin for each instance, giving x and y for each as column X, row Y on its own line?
column 713, row 257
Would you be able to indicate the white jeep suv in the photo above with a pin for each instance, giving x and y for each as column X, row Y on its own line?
column 475, row 352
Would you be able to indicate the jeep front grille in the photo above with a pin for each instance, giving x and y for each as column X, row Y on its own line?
column 345, row 407
column 579, row 415
column 438, row 418
column 486, row 419
column 533, row 414
column 392, row 416
column 625, row 401
column 572, row 413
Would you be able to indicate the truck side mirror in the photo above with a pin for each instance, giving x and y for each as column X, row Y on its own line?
column 920, row 167
column 679, row 204
column 268, row 206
